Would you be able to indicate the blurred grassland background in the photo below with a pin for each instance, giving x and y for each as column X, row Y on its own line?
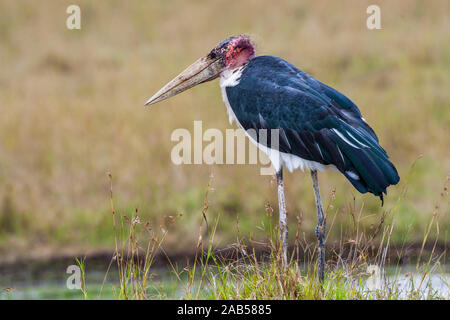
column 72, row 110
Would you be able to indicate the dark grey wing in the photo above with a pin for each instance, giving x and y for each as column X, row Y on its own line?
column 315, row 122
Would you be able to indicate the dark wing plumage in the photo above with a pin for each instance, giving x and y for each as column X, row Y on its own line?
column 316, row 122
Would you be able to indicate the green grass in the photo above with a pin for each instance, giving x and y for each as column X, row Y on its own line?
column 250, row 275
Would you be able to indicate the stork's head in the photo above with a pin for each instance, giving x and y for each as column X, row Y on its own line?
column 229, row 54
column 234, row 52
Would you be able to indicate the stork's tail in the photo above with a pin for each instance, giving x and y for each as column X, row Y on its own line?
column 367, row 166
column 376, row 175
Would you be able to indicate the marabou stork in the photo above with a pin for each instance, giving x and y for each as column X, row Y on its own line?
column 318, row 127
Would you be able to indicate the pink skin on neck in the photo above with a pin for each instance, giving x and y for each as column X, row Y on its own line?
column 242, row 58
column 241, row 53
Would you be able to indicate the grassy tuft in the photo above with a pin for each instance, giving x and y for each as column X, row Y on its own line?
column 356, row 269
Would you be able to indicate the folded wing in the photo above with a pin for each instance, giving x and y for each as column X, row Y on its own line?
column 316, row 122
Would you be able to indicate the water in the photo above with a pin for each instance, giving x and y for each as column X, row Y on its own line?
column 431, row 285
column 165, row 285
column 58, row 285
column 406, row 282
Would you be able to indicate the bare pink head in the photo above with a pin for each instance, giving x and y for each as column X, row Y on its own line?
column 234, row 51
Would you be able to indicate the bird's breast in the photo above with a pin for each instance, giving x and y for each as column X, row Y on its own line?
column 231, row 77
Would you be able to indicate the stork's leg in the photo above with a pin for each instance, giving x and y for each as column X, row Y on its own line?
column 321, row 225
column 283, row 218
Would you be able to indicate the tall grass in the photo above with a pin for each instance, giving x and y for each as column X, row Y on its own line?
column 356, row 269
column 133, row 268
column 82, row 265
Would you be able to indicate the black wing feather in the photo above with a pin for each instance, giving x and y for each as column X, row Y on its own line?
column 316, row 122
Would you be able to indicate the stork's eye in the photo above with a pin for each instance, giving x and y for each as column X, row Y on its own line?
column 212, row 55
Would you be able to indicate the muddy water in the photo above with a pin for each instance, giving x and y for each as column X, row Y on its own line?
column 58, row 283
